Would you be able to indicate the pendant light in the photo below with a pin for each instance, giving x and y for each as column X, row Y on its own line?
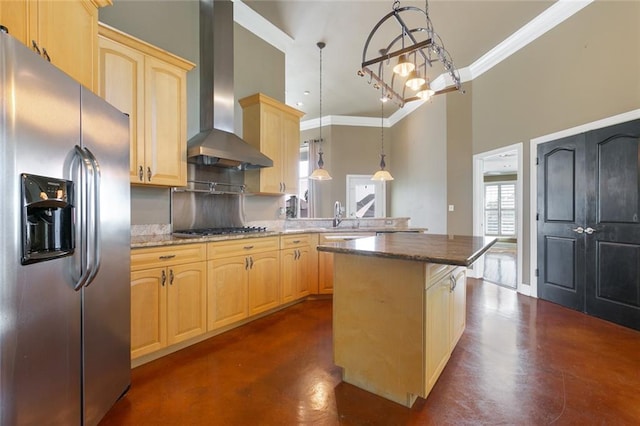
column 320, row 173
column 382, row 174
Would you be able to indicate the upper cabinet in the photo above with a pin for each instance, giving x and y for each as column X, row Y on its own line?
column 150, row 85
column 273, row 128
column 63, row 32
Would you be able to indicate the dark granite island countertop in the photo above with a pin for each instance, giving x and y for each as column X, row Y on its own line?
column 460, row 250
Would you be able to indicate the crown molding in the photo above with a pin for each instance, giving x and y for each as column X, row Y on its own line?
column 557, row 13
column 547, row 20
column 252, row 21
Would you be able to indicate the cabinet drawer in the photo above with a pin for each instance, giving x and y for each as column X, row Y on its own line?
column 166, row 256
column 435, row 271
column 292, row 241
column 241, row 247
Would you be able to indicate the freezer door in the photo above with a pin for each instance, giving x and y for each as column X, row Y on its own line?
column 106, row 299
column 39, row 309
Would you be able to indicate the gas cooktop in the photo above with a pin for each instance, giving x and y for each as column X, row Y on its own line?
column 204, row 232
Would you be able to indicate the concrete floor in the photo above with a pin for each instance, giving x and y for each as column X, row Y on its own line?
column 520, row 361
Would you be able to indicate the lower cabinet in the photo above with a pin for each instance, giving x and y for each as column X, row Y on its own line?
column 227, row 291
column 168, row 296
column 445, row 320
column 264, row 281
column 295, row 266
column 243, row 279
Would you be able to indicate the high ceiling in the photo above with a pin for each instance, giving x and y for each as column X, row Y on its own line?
column 468, row 28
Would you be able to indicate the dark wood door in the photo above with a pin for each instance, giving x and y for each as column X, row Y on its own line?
column 588, row 222
column 560, row 219
column 613, row 248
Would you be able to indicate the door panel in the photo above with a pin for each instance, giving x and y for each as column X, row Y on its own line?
column 617, row 192
column 562, row 273
column 561, row 203
column 595, row 174
column 613, row 250
column 560, row 175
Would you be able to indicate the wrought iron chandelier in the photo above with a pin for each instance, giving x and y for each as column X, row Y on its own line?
column 416, row 47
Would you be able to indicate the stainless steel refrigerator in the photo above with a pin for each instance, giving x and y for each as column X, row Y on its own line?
column 64, row 238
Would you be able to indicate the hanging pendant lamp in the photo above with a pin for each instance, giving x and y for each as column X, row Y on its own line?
column 382, row 174
column 320, row 173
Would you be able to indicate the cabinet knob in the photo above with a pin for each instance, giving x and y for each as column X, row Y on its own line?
column 140, row 173
column 164, row 278
column 149, row 174
column 46, row 55
column 171, row 276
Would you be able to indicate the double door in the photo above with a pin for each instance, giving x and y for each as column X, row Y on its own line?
column 588, row 225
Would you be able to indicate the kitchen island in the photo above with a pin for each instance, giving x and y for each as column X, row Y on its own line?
column 399, row 309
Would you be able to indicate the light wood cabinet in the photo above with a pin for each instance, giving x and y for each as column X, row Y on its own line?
column 243, row 279
column 325, row 259
column 64, row 32
column 168, row 296
column 295, row 266
column 408, row 316
column 264, row 281
column 227, row 291
column 274, row 129
column 148, row 84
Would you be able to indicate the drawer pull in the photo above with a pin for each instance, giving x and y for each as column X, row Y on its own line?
column 296, row 241
column 248, row 247
column 167, row 256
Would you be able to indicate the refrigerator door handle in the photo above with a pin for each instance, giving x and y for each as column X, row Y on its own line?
column 94, row 216
column 81, row 208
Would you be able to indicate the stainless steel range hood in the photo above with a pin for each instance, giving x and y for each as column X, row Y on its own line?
column 216, row 144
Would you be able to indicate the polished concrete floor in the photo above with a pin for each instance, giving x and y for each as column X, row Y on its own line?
column 500, row 264
column 521, row 361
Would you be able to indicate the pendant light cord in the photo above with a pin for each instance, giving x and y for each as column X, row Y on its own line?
column 382, row 126
column 321, row 46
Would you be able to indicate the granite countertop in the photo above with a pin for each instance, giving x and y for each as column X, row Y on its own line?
column 142, row 241
column 447, row 249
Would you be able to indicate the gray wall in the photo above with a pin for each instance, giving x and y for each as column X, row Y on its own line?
column 459, row 161
column 418, row 154
column 174, row 26
column 586, row 69
column 347, row 150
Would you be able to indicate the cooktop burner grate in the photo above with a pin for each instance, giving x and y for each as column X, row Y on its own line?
column 203, row 232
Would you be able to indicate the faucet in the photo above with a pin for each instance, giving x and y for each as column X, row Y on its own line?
column 337, row 214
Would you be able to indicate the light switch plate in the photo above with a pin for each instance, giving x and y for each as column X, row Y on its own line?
column 450, row 207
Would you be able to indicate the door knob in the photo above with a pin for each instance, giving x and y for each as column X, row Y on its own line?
column 579, row 229
column 590, row 230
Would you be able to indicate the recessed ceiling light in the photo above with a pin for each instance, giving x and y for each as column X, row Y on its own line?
column 306, row 92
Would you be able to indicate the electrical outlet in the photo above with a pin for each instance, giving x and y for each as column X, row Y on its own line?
column 450, row 207
column 388, row 222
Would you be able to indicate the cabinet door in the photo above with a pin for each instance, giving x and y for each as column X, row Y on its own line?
column 227, row 291
column 325, row 272
column 121, row 83
column 290, row 157
column 15, row 16
column 289, row 273
column 303, row 283
column 264, row 281
column 68, row 31
column 437, row 329
column 186, row 308
column 458, row 305
column 148, row 311
column 271, row 141
column 165, row 124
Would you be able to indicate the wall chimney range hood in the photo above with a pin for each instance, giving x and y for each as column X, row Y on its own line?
column 216, row 144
